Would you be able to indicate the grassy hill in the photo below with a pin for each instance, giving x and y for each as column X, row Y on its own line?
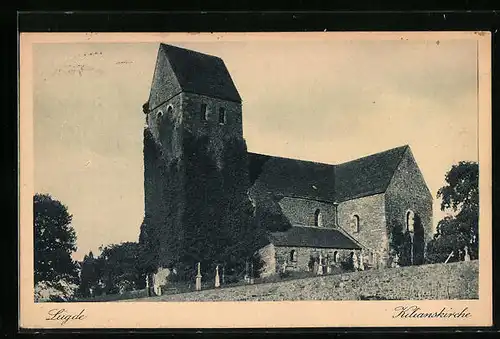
column 438, row 281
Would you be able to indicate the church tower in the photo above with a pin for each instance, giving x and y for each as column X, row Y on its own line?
column 193, row 116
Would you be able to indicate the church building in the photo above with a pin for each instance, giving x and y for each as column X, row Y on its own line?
column 327, row 214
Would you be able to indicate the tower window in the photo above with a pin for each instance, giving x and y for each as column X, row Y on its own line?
column 336, row 256
column 204, row 112
column 169, row 110
column 355, row 223
column 293, row 256
column 222, row 116
column 318, row 220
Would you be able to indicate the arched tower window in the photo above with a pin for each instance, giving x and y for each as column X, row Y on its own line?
column 355, row 223
column 336, row 256
column 159, row 115
column 293, row 255
column 204, row 112
column 318, row 220
column 169, row 110
column 222, row 116
column 410, row 219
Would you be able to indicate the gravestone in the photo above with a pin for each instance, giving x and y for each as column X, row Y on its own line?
column 198, row 279
column 217, row 281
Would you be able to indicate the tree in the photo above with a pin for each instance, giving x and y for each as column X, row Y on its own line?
column 119, row 268
column 460, row 196
column 54, row 241
column 89, row 276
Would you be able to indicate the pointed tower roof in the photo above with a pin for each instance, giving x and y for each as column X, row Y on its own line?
column 196, row 72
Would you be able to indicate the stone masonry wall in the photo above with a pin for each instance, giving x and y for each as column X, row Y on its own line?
column 302, row 211
column 408, row 191
column 372, row 226
column 303, row 256
column 218, row 133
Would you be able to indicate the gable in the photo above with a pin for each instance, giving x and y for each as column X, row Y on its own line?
column 368, row 175
column 164, row 84
column 408, row 171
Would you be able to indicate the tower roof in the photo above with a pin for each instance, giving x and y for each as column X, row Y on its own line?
column 200, row 73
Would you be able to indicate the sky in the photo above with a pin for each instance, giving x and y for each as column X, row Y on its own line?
column 324, row 100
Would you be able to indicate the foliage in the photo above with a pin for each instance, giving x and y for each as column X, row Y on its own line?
column 205, row 193
column 54, row 241
column 89, row 276
column 460, row 196
column 118, row 268
column 400, row 242
column 56, row 291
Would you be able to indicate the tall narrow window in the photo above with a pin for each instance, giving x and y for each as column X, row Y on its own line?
column 318, row 220
column 222, row 116
column 410, row 218
column 204, row 112
column 293, row 255
column 355, row 223
column 336, row 256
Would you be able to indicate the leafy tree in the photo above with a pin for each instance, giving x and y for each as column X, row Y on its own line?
column 89, row 276
column 460, row 196
column 54, row 241
column 119, row 268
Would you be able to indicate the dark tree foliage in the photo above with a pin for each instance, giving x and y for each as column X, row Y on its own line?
column 118, row 268
column 54, row 240
column 89, row 275
column 410, row 252
column 219, row 225
column 461, row 228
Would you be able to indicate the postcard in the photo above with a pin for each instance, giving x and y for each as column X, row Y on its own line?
column 255, row 180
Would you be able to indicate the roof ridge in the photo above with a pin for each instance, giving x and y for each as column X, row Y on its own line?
column 330, row 164
column 374, row 154
column 164, row 45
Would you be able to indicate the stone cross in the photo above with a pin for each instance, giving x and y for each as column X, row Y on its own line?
column 361, row 263
column 466, row 255
column 217, row 281
column 246, row 272
column 354, row 261
column 198, row 279
column 251, row 273
column 320, row 265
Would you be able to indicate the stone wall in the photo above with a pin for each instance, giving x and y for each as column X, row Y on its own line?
column 218, row 133
column 268, row 256
column 304, row 254
column 372, row 226
column 302, row 211
column 408, row 191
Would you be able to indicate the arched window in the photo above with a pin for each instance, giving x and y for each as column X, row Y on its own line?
column 355, row 223
column 204, row 112
column 410, row 218
column 169, row 110
column 159, row 115
column 293, row 255
column 318, row 220
column 222, row 116
column 336, row 256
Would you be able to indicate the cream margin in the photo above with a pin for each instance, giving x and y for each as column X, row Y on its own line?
column 247, row 314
